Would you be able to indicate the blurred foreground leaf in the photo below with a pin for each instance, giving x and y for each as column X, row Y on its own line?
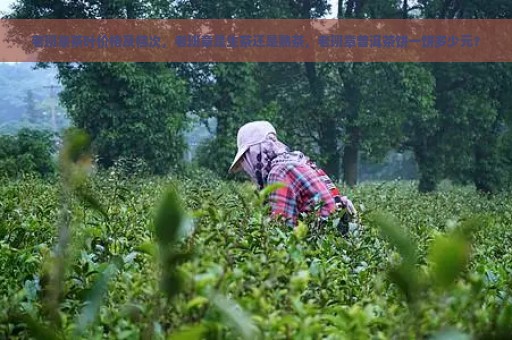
column 77, row 144
column 169, row 217
column 449, row 256
column 404, row 275
column 36, row 329
column 189, row 333
column 169, row 222
column 236, row 317
column 396, row 235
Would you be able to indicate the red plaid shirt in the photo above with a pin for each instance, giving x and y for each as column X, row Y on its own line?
column 304, row 188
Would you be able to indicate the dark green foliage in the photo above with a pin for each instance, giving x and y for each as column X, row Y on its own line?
column 27, row 152
column 233, row 100
column 334, row 112
column 505, row 158
column 77, row 144
column 53, row 290
column 433, row 106
column 311, row 284
column 132, row 111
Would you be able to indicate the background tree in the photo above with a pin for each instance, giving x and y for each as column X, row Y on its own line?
column 338, row 113
column 472, row 106
column 27, row 152
column 226, row 92
column 345, row 109
column 131, row 110
column 31, row 114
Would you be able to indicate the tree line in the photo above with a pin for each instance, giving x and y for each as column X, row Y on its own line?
column 454, row 117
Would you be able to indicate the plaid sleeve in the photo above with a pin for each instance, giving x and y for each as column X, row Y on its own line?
column 283, row 200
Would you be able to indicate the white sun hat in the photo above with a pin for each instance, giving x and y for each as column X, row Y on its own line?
column 248, row 135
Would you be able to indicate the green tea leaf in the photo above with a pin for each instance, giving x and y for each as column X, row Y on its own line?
column 189, row 333
column 301, row 230
column 263, row 194
column 449, row 257
column 148, row 248
column 198, row 301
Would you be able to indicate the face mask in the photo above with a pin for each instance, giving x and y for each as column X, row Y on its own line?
column 257, row 160
column 247, row 166
column 252, row 165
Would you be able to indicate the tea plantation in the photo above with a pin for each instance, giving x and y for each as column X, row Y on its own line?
column 420, row 266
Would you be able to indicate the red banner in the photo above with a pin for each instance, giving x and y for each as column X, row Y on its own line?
column 265, row 40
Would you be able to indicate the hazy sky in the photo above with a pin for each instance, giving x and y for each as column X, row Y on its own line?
column 4, row 6
column 334, row 9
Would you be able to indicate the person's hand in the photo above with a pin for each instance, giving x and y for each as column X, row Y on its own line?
column 348, row 205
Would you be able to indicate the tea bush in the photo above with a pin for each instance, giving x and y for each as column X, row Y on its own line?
column 194, row 258
column 29, row 152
